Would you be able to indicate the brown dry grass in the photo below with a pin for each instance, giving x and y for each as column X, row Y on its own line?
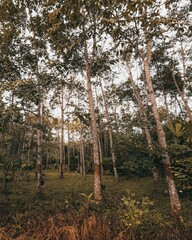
column 74, row 226
column 65, row 215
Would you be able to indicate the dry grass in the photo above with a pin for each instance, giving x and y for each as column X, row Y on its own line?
column 86, row 227
column 64, row 214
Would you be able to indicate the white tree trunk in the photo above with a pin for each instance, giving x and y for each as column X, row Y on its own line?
column 174, row 198
column 110, row 133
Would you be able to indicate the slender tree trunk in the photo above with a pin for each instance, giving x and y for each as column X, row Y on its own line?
column 105, row 143
column 179, row 104
column 99, row 139
column 100, row 154
column 73, row 146
column 166, row 103
column 31, row 134
column 40, row 180
column 7, row 156
column 39, row 121
column 4, row 178
column 68, row 149
column 94, row 131
column 80, row 163
column 182, row 93
column 174, row 198
column 143, row 117
column 61, row 175
column 97, row 169
column 23, row 146
column 1, row 101
column 82, row 154
column 47, row 159
column 110, row 133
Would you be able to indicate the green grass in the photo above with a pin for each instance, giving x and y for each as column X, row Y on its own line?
column 21, row 203
column 57, row 191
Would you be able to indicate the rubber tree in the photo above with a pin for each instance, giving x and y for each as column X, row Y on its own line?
column 142, row 22
column 106, row 106
column 61, row 161
column 10, row 26
column 174, row 198
column 77, row 23
column 142, row 110
column 35, row 60
column 181, row 48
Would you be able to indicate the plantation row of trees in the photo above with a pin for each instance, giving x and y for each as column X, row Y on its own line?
column 68, row 55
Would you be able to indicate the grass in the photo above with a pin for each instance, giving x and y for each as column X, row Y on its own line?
column 67, row 210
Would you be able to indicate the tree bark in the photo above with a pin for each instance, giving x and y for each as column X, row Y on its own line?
column 68, row 149
column 182, row 94
column 110, row 133
column 82, row 154
column 97, row 169
column 142, row 109
column 100, row 153
column 31, row 136
column 40, row 181
column 94, row 130
column 144, row 119
column 174, row 198
column 4, row 179
column 61, row 175
column 99, row 135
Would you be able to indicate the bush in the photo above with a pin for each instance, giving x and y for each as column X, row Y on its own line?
column 182, row 170
column 133, row 212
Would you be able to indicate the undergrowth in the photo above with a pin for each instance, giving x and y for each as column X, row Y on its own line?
column 131, row 209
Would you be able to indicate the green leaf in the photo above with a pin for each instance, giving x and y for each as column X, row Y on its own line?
column 177, row 129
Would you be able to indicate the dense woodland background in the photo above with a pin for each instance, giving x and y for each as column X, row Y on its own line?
column 97, row 88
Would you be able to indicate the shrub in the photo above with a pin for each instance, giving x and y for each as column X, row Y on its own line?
column 131, row 211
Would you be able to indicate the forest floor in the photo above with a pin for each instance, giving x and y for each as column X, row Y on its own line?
column 135, row 208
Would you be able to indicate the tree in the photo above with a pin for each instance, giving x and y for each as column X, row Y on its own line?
column 182, row 33
column 80, row 32
column 143, row 21
column 109, row 131
column 34, row 55
column 10, row 15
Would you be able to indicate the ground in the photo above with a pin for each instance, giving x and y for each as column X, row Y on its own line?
column 67, row 210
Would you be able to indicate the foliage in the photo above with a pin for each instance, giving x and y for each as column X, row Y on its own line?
column 42, row 44
column 69, row 212
column 182, row 169
column 132, row 155
column 181, row 154
column 178, row 129
column 131, row 211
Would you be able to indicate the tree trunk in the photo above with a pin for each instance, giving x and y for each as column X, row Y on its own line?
column 100, row 154
column 166, row 103
column 47, row 159
column 82, row 154
column 23, row 147
column 110, row 133
column 61, row 175
column 99, row 135
column 40, row 180
column 1, row 101
column 97, row 169
column 31, row 135
column 4, row 178
column 174, row 198
column 68, row 149
column 182, row 94
column 144, row 119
